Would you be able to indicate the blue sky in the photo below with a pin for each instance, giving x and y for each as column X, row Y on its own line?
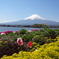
column 14, row 10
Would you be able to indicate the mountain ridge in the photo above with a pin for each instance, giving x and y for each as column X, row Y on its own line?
column 34, row 19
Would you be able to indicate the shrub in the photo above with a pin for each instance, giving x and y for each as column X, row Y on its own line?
column 36, row 33
column 50, row 51
column 57, row 31
column 49, row 33
column 35, row 47
column 23, row 31
column 8, row 47
column 11, row 34
column 14, row 38
column 39, row 39
column 42, row 30
column 27, row 37
column 53, row 40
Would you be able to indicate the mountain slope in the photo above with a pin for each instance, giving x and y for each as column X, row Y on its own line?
column 34, row 19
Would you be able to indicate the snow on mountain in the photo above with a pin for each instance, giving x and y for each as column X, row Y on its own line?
column 34, row 19
column 34, row 16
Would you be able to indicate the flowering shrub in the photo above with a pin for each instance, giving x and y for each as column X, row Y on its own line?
column 3, row 33
column 17, row 31
column 8, row 47
column 29, row 44
column 27, row 37
column 6, row 32
column 49, row 51
column 32, row 42
column 35, row 46
column 53, row 40
column 19, row 41
column 33, row 30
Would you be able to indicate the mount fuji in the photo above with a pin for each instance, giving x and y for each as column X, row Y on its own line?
column 33, row 19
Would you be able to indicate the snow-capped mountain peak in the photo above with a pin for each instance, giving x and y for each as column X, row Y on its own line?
column 34, row 19
column 35, row 16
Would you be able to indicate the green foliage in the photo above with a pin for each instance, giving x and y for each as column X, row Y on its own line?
column 46, row 51
column 8, row 44
column 39, row 26
column 14, row 38
column 49, row 33
column 57, row 31
column 39, row 39
column 27, row 37
column 23, row 31
column 42, row 30
column 51, row 40
column 35, row 47
column 35, row 32
column 2, row 35
column 11, row 34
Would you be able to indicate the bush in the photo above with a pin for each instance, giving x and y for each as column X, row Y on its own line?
column 35, row 47
column 14, row 38
column 36, row 33
column 49, row 33
column 39, row 39
column 23, row 31
column 51, row 40
column 8, row 47
column 27, row 37
column 42, row 30
column 49, row 51
column 57, row 31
